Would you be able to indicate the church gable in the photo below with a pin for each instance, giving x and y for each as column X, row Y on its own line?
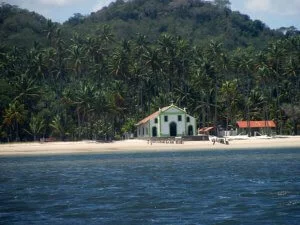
column 173, row 110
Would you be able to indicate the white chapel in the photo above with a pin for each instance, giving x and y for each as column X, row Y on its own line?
column 170, row 121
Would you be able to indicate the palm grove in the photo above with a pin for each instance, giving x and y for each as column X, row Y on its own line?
column 97, row 86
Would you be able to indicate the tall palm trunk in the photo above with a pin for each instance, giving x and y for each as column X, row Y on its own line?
column 216, row 108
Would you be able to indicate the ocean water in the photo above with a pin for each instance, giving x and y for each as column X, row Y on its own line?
column 188, row 187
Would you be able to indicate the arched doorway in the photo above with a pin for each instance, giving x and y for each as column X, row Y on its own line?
column 190, row 130
column 173, row 129
column 154, row 131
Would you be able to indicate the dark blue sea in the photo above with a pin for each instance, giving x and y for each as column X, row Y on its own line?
column 188, row 187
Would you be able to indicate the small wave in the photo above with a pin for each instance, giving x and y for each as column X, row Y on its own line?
column 293, row 203
column 283, row 193
column 223, row 197
column 256, row 181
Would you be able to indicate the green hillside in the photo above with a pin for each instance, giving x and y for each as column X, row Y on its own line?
column 96, row 76
column 20, row 27
column 196, row 21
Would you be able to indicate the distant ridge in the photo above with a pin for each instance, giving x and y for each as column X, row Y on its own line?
column 21, row 27
column 196, row 21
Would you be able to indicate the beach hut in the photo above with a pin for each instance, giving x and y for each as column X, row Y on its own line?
column 169, row 121
column 256, row 127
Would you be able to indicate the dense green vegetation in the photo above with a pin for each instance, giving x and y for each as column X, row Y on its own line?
column 99, row 85
column 196, row 20
column 19, row 27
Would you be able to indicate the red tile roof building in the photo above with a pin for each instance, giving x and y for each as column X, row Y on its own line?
column 254, row 128
column 256, row 124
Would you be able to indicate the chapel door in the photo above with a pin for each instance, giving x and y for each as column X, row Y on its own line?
column 154, row 132
column 173, row 129
column 190, row 130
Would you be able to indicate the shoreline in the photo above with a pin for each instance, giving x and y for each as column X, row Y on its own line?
column 135, row 145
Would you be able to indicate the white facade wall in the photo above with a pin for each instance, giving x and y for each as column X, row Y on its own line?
column 153, row 124
column 143, row 130
column 193, row 123
column 165, row 126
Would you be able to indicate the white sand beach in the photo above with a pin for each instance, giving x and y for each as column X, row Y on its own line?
column 37, row 148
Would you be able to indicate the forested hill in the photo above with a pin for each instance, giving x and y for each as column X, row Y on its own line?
column 95, row 77
column 19, row 27
column 195, row 20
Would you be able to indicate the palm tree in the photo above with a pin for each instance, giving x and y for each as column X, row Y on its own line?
column 167, row 49
column 182, row 65
column 152, row 62
column 245, row 66
column 120, row 60
column 292, row 68
column 36, row 127
column 106, row 35
column 60, row 59
column 276, row 54
column 219, row 61
column 14, row 116
column 141, row 44
column 202, row 85
column 60, row 125
column 256, row 102
column 76, row 59
column 51, row 27
column 27, row 90
column 263, row 79
column 229, row 95
column 293, row 113
column 82, row 96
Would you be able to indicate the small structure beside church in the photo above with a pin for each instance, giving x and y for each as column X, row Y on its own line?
column 170, row 121
column 205, row 130
column 260, row 127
